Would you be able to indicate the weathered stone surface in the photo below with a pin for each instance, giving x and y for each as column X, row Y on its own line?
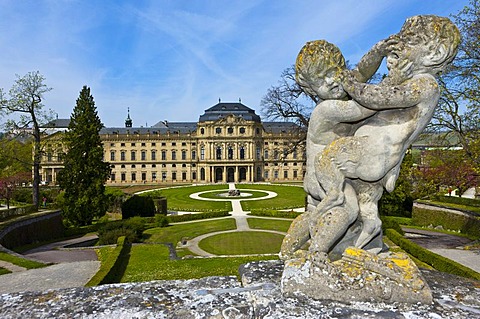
column 225, row 297
column 357, row 276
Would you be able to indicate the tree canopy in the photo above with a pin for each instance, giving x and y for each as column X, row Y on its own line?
column 25, row 100
column 84, row 172
column 458, row 111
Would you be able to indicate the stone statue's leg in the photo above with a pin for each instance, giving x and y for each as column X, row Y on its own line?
column 333, row 224
column 332, row 180
column 368, row 196
column 314, row 191
column 312, row 203
column 298, row 234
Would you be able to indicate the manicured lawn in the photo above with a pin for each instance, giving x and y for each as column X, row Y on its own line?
column 270, row 224
column 215, row 195
column 29, row 264
column 178, row 199
column 4, row 271
column 174, row 233
column 150, row 262
column 242, row 243
column 287, row 197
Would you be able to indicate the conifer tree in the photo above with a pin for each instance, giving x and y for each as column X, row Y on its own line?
column 85, row 172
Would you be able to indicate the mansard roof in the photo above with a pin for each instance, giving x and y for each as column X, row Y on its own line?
column 279, row 127
column 223, row 109
column 57, row 123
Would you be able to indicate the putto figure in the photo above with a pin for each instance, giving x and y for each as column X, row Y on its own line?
column 358, row 135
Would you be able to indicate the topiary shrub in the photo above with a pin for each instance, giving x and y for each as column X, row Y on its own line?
column 138, row 206
column 161, row 220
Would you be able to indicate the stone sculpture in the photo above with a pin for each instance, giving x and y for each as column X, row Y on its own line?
column 356, row 141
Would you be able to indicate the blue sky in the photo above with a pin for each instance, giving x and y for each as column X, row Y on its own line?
column 172, row 59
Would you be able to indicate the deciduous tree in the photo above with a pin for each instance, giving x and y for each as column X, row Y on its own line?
column 25, row 103
column 458, row 112
column 84, row 172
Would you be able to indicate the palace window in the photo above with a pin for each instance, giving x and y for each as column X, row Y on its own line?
column 242, row 152
column 265, row 154
column 218, row 130
column 144, row 155
column 164, row 155
column 275, row 174
column 242, row 130
column 122, row 155
column 134, row 176
column 202, row 131
column 174, row 155
column 194, row 155
column 133, row 144
column 174, row 176
column 258, row 152
column 184, row 176
column 295, row 174
column 123, row 177
column 132, row 155
column 164, row 176
column 230, row 153
column 184, row 155
column 112, row 155
column 202, row 153
column 219, row 152
column 154, row 155
column 154, row 176
column 230, row 130
column 112, row 176
column 144, row 176
column 285, row 174
column 202, row 174
column 143, row 144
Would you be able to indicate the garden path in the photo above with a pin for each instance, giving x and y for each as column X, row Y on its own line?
column 240, row 218
column 446, row 245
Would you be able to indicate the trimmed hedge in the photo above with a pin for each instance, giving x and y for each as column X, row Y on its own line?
column 389, row 222
column 112, row 270
column 188, row 217
column 436, row 261
column 274, row 213
column 142, row 206
column 457, row 200
column 464, row 223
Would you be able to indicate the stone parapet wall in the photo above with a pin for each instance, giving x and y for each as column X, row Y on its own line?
column 257, row 296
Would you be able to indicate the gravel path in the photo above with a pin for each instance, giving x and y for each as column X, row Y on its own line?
column 64, row 275
column 446, row 245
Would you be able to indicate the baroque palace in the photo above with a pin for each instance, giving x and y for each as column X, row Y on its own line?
column 229, row 143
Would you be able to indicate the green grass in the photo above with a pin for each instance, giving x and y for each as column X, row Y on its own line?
column 287, row 197
column 215, row 195
column 270, row 224
column 242, row 243
column 178, row 199
column 29, row 264
column 150, row 262
column 4, row 271
column 174, row 233
column 103, row 252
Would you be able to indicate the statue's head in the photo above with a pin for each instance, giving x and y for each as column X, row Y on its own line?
column 318, row 67
column 434, row 39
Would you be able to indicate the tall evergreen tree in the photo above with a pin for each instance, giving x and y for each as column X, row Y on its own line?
column 85, row 172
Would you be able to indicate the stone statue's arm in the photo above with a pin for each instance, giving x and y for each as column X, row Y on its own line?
column 346, row 111
column 385, row 96
column 371, row 61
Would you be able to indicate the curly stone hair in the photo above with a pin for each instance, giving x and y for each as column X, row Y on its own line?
column 315, row 58
column 433, row 31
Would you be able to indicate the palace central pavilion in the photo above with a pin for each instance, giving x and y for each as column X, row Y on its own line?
column 229, row 143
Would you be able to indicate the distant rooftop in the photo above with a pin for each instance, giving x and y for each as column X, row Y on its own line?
column 223, row 109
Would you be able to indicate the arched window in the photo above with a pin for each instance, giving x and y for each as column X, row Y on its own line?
column 219, row 152
column 202, row 174
column 230, row 153
column 242, row 152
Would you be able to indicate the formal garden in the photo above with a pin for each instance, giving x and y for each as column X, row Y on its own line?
column 156, row 246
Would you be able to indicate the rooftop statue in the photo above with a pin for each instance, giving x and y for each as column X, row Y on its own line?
column 358, row 135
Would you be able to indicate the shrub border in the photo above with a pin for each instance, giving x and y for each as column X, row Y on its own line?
column 110, row 270
column 436, row 261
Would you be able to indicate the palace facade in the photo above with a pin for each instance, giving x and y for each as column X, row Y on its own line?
column 229, row 143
